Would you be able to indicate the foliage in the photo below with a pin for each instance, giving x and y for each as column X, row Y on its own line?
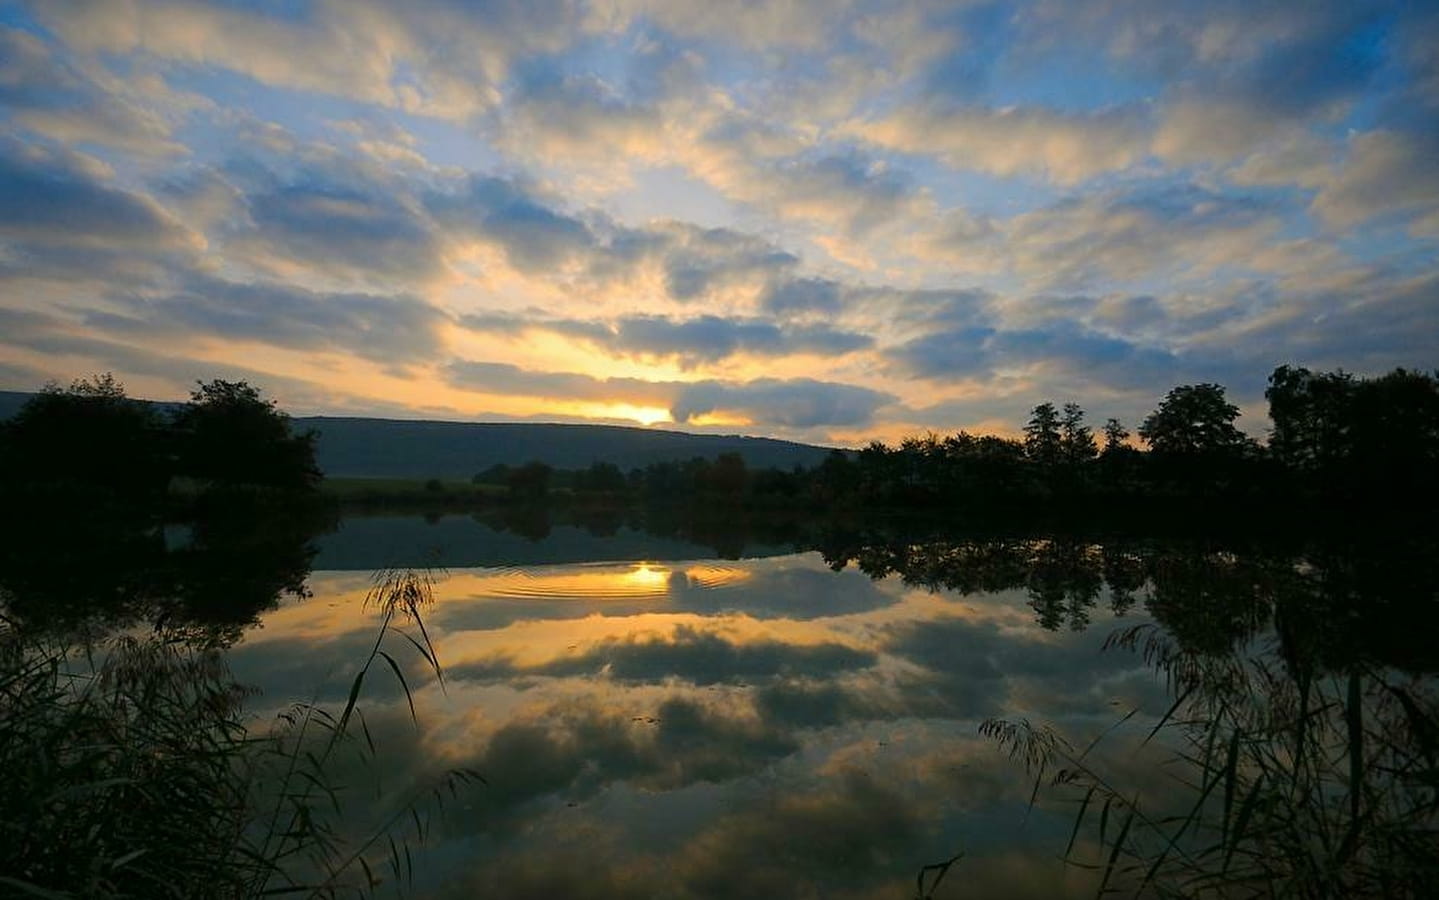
column 229, row 434
column 530, row 481
column 1043, row 443
column 89, row 438
column 1076, row 439
column 92, row 443
column 1300, row 783
column 1331, row 429
column 1194, row 420
column 1115, row 435
column 121, row 781
column 132, row 773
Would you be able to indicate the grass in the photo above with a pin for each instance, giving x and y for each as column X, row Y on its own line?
column 1297, row 782
column 132, row 772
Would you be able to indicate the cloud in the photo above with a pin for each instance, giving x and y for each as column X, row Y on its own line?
column 788, row 403
column 534, row 236
column 51, row 197
column 1387, row 175
column 432, row 57
column 783, row 172
column 698, row 260
column 57, row 337
column 1121, row 235
column 50, row 96
column 555, row 115
column 801, row 295
column 1031, row 141
column 794, row 23
column 338, row 231
column 698, row 657
column 692, row 341
column 502, row 378
column 1064, row 347
column 399, row 330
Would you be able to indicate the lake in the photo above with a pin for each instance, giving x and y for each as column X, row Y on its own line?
column 803, row 719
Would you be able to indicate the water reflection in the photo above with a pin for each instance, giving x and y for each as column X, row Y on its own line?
column 710, row 728
column 653, row 723
column 205, row 581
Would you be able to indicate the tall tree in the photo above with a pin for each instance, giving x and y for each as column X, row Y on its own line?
column 89, row 436
column 1115, row 434
column 1312, row 416
column 1194, row 420
column 231, row 435
column 1394, row 434
column 1043, row 442
column 1076, row 438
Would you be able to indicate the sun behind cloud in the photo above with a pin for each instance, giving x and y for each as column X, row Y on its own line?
column 789, row 219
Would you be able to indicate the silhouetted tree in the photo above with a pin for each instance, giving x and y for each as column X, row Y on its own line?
column 88, row 437
column 836, row 478
column 230, row 436
column 1043, row 442
column 530, row 481
column 726, row 476
column 1312, row 419
column 601, row 477
column 1194, row 420
column 1394, row 434
column 1115, row 435
column 1076, row 440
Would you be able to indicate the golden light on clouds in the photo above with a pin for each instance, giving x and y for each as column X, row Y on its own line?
column 664, row 200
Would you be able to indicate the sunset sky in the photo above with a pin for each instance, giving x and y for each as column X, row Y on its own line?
column 830, row 221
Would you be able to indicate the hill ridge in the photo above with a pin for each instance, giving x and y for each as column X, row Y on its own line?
column 379, row 447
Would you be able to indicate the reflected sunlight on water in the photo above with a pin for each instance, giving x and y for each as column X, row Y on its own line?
column 711, row 728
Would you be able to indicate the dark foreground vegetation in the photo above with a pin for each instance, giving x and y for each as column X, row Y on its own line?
column 91, row 443
column 133, row 772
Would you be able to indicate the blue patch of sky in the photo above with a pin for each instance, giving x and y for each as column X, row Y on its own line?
column 445, row 143
column 1385, row 103
column 310, row 117
column 985, row 34
column 1070, row 81
column 1391, row 244
column 975, row 192
column 669, row 192
column 17, row 16
column 281, row 10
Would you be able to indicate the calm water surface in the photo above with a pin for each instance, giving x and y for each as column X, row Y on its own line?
column 656, row 722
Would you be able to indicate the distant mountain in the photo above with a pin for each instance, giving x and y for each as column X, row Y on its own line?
column 11, row 401
column 396, row 448
column 388, row 448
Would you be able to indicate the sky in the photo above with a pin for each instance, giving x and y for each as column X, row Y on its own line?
column 831, row 221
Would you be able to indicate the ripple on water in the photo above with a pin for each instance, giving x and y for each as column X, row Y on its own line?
column 635, row 582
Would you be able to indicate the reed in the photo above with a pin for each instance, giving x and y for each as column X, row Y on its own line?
column 1295, row 782
column 132, row 771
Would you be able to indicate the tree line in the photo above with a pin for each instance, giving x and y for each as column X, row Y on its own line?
column 1333, row 436
column 93, row 441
